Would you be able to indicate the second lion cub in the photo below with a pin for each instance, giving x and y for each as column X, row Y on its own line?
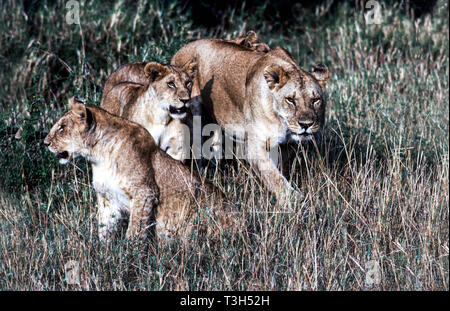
column 159, row 106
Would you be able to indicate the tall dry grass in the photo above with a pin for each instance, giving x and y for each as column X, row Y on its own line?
column 376, row 184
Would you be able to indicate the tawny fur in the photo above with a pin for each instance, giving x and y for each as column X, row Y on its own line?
column 149, row 104
column 265, row 98
column 123, row 94
column 134, row 179
column 134, row 72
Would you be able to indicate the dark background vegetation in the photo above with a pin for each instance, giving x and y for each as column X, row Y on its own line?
column 280, row 13
column 377, row 185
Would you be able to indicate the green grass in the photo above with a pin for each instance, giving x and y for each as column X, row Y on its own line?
column 377, row 186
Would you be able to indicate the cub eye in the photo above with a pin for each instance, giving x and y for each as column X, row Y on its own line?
column 290, row 101
column 189, row 84
column 171, row 85
column 61, row 128
column 316, row 102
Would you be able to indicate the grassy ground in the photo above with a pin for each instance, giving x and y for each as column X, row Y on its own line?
column 377, row 185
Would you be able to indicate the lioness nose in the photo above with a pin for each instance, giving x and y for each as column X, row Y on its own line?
column 184, row 100
column 46, row 142
column 305, row 124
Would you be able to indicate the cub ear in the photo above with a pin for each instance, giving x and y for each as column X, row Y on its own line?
column 251, row 37
column 248, row 40
column 78, row 109
column 190, row 67
column 155, row 71
column 275, row 76
column 321, row 73
column 73, row 101
column 82, row 112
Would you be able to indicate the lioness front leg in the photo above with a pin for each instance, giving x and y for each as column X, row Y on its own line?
column 142, row 217
column 259, row 157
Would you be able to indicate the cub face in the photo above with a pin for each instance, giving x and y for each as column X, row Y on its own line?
column 298, row 98
column 68, row 135
column 172, row 86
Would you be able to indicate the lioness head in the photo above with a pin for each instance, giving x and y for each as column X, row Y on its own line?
column 67, row 138
column 172, row 86
column 298, row 97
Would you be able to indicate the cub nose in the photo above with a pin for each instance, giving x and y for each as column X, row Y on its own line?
column 305, row 124
column 184, row 100
column 46, row 141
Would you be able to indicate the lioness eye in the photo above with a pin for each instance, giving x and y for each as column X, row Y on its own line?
column 188, row 84
column 171, row 85
column 61, row 128
column 290, row 101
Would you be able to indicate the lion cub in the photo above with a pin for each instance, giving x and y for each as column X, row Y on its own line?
column 133, row 178
column 159, row 105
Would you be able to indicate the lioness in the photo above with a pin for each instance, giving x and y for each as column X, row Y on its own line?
column 133, row 177
column 263, row 98
column 158, row 105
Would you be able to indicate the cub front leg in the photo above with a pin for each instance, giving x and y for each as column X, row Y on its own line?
column 259, row 158
column 109, row 217
column 142, row 216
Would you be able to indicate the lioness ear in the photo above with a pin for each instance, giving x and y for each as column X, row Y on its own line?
column 155, row 71
column 190, row 67
column 321, row 73
column 275, row 76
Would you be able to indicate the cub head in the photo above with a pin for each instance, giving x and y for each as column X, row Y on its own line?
column 298, row 98
column 251, row 41
column 172, row 86
column 67, row 138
